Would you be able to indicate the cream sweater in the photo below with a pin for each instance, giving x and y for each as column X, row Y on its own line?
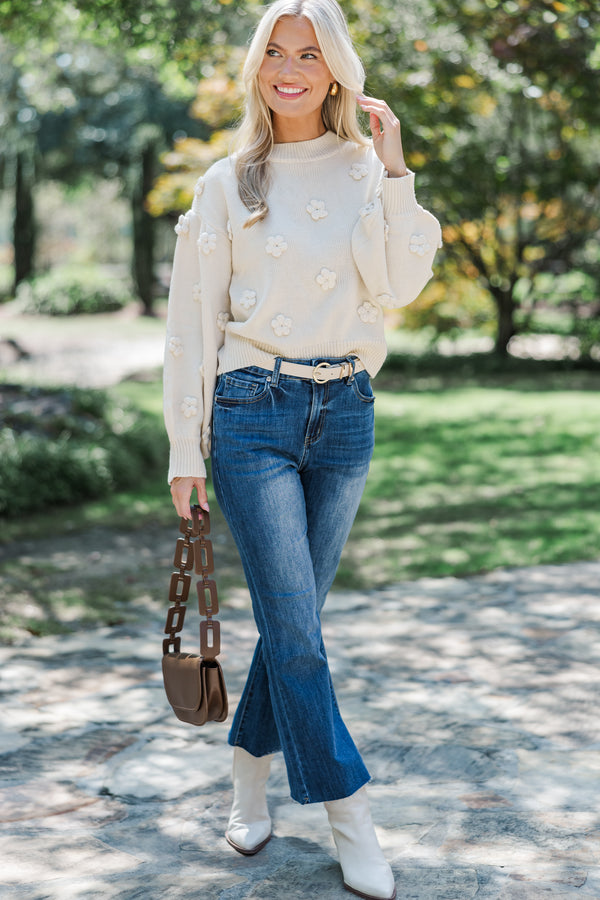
column 340, row 242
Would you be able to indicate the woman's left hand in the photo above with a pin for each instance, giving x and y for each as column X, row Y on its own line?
column 387, row 137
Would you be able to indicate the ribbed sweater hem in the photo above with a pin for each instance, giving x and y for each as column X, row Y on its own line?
column 238, row 353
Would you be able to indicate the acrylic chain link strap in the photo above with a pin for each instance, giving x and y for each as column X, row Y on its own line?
column 196, row 554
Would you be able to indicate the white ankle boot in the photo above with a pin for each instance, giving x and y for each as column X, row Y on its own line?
column 249, row 826
column 365, row 870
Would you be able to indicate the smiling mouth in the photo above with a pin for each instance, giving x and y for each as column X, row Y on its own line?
column 289, row 92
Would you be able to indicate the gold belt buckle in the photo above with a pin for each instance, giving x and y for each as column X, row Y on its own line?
column 318, row 377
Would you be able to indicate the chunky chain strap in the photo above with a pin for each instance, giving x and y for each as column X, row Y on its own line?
column 197, row 554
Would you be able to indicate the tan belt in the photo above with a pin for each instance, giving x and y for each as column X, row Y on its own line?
column 320, row 373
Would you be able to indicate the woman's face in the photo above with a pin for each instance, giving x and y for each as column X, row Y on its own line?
column 294, row 79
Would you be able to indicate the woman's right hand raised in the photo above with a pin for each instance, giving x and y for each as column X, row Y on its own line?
column 181, row 492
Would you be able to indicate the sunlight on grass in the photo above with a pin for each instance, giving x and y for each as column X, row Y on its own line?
column 464, row 479
column 146, row 395
column 470, row 479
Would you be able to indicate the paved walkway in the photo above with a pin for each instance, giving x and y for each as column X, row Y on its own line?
column 476, row 703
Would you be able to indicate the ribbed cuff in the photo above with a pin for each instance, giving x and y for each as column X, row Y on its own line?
column 186, row 460
column 399, row 195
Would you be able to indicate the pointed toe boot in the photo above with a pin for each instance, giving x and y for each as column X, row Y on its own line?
column 365, row 870
column 249, row 827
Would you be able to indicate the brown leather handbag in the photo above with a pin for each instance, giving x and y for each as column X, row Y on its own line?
column 195, row 685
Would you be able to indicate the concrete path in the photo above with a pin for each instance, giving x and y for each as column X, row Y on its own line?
column 476, row 704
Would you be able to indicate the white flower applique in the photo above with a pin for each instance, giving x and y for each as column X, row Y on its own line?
column 176, row 346
column 276, row 245
column 196, row 292
column 222, row 320
column 326, row 278
column 281, row 325
column 358, row 171
column 316, row 210
column 207, row 242
column 385, row 299
column 419, row 244
column 198, row 191
column 367, row 210
column 248, row 299
column 189, row 407
column 367, row 312
column 183, row 226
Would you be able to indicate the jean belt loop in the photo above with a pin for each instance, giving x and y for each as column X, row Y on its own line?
column 352, row 361
column 275, row 375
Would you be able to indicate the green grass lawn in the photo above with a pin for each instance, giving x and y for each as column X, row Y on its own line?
column 470, row 472
column 475, row 468
column 468, row 479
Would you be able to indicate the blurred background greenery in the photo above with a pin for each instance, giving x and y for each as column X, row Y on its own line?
column 110, row 109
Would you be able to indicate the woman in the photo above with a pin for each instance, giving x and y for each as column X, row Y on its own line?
column 275, row 325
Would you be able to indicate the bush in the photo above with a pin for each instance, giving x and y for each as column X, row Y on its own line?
column 66, row 446
column 68, row 291
column 588, row 332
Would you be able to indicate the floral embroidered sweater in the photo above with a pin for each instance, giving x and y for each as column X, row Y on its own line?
column 340, row 241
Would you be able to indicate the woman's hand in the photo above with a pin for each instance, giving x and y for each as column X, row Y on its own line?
column 387, row 137
column 181, row 492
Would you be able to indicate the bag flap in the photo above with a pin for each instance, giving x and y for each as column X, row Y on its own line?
column 181, row 675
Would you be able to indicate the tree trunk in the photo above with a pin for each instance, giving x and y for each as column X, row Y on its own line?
column 24, row 229
column 143, row 230
column 506, row 324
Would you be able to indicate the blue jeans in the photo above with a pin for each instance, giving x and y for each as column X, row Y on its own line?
column 289, row 460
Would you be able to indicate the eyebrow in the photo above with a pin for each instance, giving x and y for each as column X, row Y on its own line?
column 301, row 50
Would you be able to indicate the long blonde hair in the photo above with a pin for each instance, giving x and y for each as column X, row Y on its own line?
column 255, row 136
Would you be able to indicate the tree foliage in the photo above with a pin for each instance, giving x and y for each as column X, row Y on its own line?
column 72, row 108
column 188, row 34
column 498, row 103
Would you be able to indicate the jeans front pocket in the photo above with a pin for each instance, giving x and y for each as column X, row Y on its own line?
column 241, row 387
column 362, row 387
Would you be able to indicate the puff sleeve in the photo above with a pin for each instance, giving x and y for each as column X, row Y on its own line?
column 197, row 314
column 394, row 243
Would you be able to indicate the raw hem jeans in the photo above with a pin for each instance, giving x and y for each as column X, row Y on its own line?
column 289, row 460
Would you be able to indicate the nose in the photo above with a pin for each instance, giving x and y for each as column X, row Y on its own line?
column 287, row 65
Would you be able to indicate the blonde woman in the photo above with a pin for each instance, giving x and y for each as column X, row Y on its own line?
column 283, row 265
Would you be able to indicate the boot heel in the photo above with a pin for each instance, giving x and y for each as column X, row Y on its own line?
column 364, row 867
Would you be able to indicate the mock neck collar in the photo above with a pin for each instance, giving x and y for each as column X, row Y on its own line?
column 307, row 151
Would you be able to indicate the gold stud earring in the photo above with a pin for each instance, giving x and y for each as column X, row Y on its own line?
column 334, row 88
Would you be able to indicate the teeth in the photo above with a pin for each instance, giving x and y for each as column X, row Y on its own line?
column 286, row 90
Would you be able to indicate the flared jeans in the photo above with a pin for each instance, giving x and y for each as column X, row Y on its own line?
column 289, row 461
